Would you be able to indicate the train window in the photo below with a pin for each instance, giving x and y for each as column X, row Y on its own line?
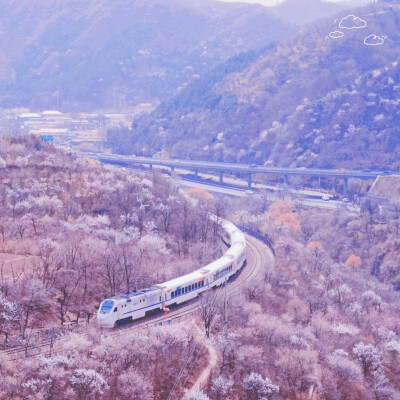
column 116, row 309
column 106, row 306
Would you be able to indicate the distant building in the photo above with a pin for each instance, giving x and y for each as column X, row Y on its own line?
column 52, row 113
column 29, row 116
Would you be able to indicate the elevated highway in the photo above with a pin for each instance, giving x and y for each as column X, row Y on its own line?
column 246, row 169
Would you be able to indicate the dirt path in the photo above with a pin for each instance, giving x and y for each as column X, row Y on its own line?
column 212, row 362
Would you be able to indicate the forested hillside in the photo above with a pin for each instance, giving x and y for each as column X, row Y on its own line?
column 81, row 55
column 73, row 232
column 291, row 104
column 322, row 322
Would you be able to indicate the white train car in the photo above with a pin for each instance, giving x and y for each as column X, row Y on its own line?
column 137, row 304
column 129, row 306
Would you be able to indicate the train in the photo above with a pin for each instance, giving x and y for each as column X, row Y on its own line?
column 134, row 305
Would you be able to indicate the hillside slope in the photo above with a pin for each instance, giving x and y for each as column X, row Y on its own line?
column 75, row 55
column 302, row 12
column 258, row 112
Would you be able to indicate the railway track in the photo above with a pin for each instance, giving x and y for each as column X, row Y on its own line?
column 258, row 255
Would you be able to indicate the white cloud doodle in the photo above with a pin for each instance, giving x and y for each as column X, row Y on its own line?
column 336, row 35
column 374, row 40
column 352, row 22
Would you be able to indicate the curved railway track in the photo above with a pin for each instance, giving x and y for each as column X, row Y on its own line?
column 258, row 255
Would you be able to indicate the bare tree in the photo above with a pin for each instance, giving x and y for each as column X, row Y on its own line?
column 209, row 309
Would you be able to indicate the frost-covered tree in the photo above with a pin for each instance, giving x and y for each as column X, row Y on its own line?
column 10, row 316
column 196, row 395
column 35, row 303
column 88, row 383
column 134, row 386
column 258, row 388
column 344, row 367
column 368, row 357
column 221, row 387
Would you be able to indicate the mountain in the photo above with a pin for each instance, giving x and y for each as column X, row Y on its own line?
column 302, row 12
column 312, row 100
column 86, row 54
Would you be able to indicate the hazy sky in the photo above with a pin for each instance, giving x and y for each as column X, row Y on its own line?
column 274, row 2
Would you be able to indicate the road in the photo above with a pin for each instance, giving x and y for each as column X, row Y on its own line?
column 293, row 196
column 306, row 197
column 235, row 167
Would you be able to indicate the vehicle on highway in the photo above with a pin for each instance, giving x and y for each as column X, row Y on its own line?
column 249, row 192
column 367, row 170
column 387, row 172
column 137, row 304
column 325, row 197
column 345, row 200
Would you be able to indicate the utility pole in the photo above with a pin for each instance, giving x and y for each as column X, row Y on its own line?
column 225, row 306
column 114, row 99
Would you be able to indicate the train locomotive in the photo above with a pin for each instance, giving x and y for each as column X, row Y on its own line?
column 137, row 304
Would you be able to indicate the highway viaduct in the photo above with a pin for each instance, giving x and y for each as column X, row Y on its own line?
column 248, row 170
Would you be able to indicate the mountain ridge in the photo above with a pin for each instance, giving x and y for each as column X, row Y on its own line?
column 79, row 51
column 246, row 115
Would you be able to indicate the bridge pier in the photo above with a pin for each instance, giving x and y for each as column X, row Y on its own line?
column 249, row 181
column 151, row 166
column 196, row 174
column 286, row 180
column 345, row 184
column 221, row 177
